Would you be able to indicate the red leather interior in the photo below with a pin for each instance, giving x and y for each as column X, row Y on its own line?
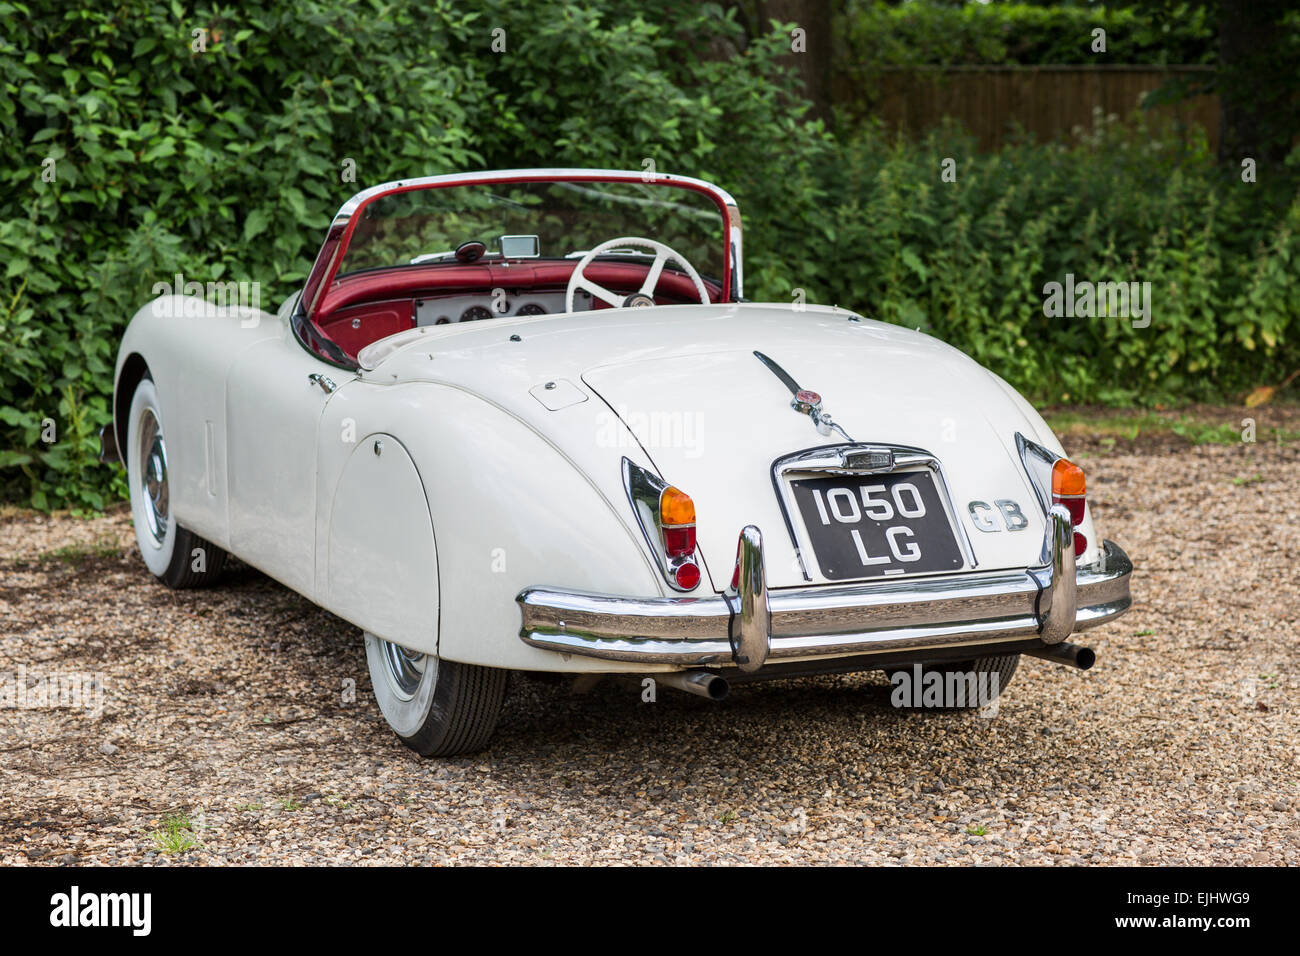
column 382, row 302
column 356, row 327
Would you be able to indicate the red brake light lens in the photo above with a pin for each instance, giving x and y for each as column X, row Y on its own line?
column 677, row 519
column 679, row 542
column 1074, row 506
column 688, row 576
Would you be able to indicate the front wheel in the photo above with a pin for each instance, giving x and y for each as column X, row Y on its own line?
column 438, row 708
column 177, row 556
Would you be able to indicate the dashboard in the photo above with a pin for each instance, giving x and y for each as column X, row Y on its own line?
column 499, row 304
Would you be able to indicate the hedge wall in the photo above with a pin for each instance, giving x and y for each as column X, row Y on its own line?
column 921, row 32
column 133, row 154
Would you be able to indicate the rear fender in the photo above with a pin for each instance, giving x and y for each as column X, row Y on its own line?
column 508, row 511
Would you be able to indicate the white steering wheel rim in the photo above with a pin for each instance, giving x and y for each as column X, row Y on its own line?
column 578, row 279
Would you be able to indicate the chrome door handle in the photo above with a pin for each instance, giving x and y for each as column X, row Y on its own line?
column 324, row 381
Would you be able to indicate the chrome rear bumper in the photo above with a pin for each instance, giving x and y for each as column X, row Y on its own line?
column 754, row 626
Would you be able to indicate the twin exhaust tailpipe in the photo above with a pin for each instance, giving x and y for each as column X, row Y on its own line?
column 699, row 683
column 714, row 687
column 1074, row 655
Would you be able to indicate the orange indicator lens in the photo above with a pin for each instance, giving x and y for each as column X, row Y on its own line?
column 676, row 508
column 1067, row 479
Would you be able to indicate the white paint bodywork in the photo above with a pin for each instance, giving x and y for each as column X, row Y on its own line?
column 484, row 489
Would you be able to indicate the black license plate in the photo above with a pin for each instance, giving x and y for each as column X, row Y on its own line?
column 877, row 525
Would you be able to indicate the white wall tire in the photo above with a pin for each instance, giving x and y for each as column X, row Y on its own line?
column 174, row 554
column 438, row 708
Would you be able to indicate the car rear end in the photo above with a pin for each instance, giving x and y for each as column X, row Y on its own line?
column 897, row 579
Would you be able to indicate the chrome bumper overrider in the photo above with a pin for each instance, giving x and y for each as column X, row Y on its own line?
column 754, row 626
column 108, row 452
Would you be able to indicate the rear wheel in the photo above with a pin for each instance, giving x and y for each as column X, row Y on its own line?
column 177, row 556
column 961, row 685
column 438, row 708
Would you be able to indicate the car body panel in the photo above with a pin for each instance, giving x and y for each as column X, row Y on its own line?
column 380, row 556
column 725, row 418
column 273, row 412
column 189, row 346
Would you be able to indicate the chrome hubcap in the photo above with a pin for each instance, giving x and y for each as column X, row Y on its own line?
column 405, row 667
column 153, row 477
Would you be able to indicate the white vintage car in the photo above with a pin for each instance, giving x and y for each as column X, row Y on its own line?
column 527, row 421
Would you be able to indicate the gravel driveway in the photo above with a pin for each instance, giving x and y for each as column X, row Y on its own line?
column 228, row 711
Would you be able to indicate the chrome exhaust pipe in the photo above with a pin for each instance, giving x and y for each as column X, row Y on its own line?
column 699, row 683
column 1075, row 655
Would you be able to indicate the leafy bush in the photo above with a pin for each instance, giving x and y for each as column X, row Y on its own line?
column 968, row 260
column 226, row 163
column 217, row 163
column 928, row 33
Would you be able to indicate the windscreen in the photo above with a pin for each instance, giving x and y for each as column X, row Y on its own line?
column 425, row 226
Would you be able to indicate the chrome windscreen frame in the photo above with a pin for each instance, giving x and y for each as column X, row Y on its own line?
column 337, row 238
column 861, row 458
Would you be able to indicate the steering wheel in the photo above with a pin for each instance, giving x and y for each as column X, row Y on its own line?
column 645, row 295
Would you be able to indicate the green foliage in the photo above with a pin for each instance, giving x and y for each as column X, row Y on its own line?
column 219, row 164
column 929, row 33
column 176, row 835
column 227, row 163
column 968, row 260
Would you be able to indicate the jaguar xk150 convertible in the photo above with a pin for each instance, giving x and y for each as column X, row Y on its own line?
column 527, row 421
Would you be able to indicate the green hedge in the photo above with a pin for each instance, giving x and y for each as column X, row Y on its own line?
column 921, row 32
column 226, row 164
column 968, row 260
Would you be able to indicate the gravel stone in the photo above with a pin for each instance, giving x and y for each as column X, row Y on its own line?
column 231, row 706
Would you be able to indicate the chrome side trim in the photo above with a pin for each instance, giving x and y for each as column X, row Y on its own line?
column 1038, row 462
column 879, row 617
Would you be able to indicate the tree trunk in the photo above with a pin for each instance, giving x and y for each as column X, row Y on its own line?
column 1257, row 85
column 813, row 65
